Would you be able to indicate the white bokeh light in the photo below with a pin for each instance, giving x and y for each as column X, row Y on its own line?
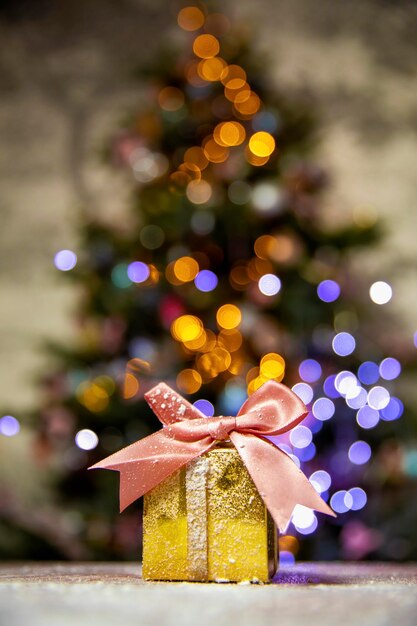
column 380, row 292
column 86, row 439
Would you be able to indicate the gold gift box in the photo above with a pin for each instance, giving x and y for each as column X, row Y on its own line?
column 207, row 522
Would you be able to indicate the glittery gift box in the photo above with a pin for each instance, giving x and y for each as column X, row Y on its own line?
column 207, row 522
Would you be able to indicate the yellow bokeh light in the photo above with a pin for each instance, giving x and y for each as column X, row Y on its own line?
column 272, row 366
column 211, row 69
column 185, row 269
column 230, row 339
column 262, row 144
column 239, row 277
column 171, row 99
column 130, row 387
column 214, row 152
column 196, row 156
column 255, row 384
column 238, row 95
column 249, row 106
column 288, row 543
column 139, row 366
column 199, row 191
column 92, row 396
column 186, row 328
column 189, row 381
column 259, row 267
column 178, row 182
column 206, row 46
column 255, row 160
column 229, row 134
column 263, row 246
column 196, row 345
column 214, row 362
column 228, row 316
column 192, row 170
column 190, row 18
column 233, row 77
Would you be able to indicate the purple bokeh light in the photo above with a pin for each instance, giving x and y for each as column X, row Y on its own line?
column 9, row 426
column 323, row 409
column 205, row 407
column 359, row 498
column 378, row 397
column 65, row 260
column 358, row 400
column 301, row 436
column 304, row 392
column 367, row 417
column 304, row 520
column 340, row 502
column 309, row 370
column 206, row 281
column 328, row 290
column 393, row 410
column 343, row 344
column 329, row 387
column 138, row 272
column 307, row 453
column 286, row 558
column 320, row 480
column 359, row 452
column 368, row 373
column 390, row 368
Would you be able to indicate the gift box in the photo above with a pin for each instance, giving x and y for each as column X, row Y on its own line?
column 207, row 522
column 215, row 488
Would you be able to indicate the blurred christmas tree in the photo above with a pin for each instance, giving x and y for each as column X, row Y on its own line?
column 226, row 275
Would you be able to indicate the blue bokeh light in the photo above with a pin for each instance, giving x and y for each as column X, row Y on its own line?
column 320, row 480
column 301, row 436
column 368, row 373
column 359, row 498
column 329, row 387
column 328, row 290
column 359, row 452
column 304, row 392
column 367, row 417
column 378, row 397
column 393, row 410
column 206, row 281
column 9, row 426
column 338, row 501
column 310, row 370
column 65, row 260
column 323, row 409
column 138, row 272
column 343, row 344
column 307, row 453
column 205, row 407
column 390, row 368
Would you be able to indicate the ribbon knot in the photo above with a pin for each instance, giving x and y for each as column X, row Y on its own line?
column 271, row 410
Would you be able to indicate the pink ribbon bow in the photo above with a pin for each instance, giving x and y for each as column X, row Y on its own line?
column 272, row 410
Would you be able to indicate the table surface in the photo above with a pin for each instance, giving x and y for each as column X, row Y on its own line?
column 104, row 594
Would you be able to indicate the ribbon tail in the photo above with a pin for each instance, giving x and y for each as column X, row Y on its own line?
column 146, row 463
column 280, row 483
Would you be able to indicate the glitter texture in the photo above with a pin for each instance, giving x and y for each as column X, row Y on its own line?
column 207, row 522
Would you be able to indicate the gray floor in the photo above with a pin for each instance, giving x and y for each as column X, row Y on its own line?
column 107, row 594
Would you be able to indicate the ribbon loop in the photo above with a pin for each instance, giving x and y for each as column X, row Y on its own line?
column 271, row 410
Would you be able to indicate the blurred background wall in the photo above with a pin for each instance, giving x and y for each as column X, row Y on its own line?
column 66, row 79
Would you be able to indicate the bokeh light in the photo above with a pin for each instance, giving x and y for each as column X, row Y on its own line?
column 152, row 237
column 189, row 381
column 359, row 452
column 393, row 410
column 267, row 198
column 329, row 387
column 378, row 397
column 304, row 392
column 323, row 409
column 307, row 453
column 190, row 18
column 262, row 144
column 304, row 519
column 186, row 328
column 206, row 280
column 341, row 501
column 346, row 383
column 310, row 370
column 359, row 498
column 9, row 426
column 380, row 292
column 269, row 284
column 343, row 344
column 185, row 269
column 228, row 316
column 358, row 399
column 320, row 480
column 205, row 407
column 86, row 439
column 328, row 290
column 229, row 134
column 170, row 99
column 368, row 373
column 367, row 417
column 239, row 192
column 65, row 260
column 206, row 46
column 300, row 436
column 138, row 272
column 272, row 366
column 390, row 368
column 199, row 191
